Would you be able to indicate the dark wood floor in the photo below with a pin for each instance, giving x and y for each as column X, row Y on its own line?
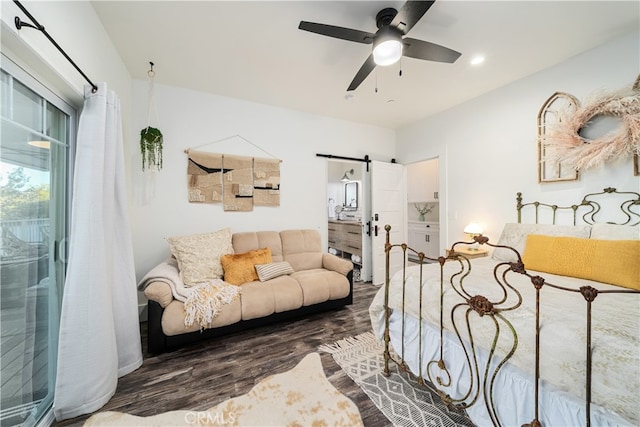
column 200, row 376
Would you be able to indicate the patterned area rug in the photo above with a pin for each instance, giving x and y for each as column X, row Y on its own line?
column 301, row 396
column 400, row 399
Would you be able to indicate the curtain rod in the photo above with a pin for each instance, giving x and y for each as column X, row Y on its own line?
column 19, row 24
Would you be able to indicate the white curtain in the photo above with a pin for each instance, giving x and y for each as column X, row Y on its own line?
column 99, row 327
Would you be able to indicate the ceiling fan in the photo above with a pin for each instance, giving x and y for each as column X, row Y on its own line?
column 389, row 42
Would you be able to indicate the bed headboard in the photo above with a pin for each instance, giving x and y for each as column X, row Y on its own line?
column 609, row 206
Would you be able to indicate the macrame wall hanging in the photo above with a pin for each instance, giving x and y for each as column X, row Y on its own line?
column 151, row 138
column 562, row 140
column 238, row 182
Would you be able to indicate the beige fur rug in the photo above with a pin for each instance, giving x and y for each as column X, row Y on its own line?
column 301, row 396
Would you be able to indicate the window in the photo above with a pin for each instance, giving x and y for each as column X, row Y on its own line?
column 35, row 180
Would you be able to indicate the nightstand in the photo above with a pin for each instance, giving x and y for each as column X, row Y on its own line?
column 470, row 253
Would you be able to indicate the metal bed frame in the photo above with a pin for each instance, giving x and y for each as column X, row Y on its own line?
column 483, row 377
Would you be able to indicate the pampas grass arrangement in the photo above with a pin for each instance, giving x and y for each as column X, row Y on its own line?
column 571, row 148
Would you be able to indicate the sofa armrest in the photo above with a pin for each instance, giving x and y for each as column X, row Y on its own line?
column 160, row 282
column 159, row 292
column 337, row 264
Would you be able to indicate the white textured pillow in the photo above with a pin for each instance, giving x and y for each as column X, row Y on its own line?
column 615, row 232
column 273, row 270
column 515, row 235
column 198, row 255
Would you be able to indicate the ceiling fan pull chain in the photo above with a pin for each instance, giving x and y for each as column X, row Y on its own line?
column 376, row 81
column 400, row 73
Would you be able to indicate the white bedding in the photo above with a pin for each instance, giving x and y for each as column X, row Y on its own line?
column 615, row 338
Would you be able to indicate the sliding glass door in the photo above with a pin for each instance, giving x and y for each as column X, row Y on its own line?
column 35, row 155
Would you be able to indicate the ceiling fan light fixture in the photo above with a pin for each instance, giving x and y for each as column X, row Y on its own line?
column 387, row 53
column 387, row 46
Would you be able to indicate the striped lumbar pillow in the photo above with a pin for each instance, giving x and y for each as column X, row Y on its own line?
column 273, row 270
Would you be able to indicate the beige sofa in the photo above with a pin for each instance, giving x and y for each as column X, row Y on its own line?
column 320, row 281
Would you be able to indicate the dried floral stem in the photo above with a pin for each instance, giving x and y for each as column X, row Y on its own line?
column 569, row 146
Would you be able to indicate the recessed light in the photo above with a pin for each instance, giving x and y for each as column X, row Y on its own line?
column 477, row 60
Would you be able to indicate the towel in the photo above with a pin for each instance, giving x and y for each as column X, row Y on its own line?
column 202, row 302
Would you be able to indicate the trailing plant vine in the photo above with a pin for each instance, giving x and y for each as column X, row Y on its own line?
column 151, row 147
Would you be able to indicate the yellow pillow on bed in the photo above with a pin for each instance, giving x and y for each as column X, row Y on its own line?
column 608, row 261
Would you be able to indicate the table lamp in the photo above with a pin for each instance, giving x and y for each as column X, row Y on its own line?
column 473, row 229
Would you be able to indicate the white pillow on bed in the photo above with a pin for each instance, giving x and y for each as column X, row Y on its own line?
column 515, row 235
column 615, row 232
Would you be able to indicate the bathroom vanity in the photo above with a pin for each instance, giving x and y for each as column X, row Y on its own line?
column 346, row 238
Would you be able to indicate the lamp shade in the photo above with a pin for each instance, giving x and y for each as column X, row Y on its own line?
column 387, row 46
column 473, row 229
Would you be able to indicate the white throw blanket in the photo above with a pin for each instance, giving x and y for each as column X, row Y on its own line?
column 202, row 302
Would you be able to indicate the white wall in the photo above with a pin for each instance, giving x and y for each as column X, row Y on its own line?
column 487, row 146
column 190, row 119
column 78, row 30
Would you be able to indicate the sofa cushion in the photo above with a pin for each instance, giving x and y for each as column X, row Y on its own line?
column 198, row 255
column 287, row 292
column 240, row 268
column 173, row 318
column 302, row 249
column 273, row 270
column 249, row 241
column 320, row 285
column 257, row 300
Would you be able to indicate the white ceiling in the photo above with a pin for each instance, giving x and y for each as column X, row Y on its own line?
column 253, row 50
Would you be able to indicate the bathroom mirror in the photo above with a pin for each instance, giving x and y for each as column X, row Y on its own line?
column 351, row 196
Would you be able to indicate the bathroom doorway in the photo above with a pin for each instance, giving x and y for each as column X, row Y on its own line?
column 349, row 214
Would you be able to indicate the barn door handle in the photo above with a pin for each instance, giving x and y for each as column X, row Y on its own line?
column 375, row 230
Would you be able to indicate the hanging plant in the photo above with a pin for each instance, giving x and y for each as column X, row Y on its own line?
column 151, row 147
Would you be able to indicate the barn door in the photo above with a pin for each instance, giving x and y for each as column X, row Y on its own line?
column 388, row 206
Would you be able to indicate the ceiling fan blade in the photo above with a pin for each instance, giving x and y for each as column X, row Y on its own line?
column 409, row 14
column 420, row 49
column 362, row 73
column 337, row 32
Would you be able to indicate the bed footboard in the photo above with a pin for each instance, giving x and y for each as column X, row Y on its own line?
column 481, row 316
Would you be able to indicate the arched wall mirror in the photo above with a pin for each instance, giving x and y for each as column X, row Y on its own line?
column 351, row 196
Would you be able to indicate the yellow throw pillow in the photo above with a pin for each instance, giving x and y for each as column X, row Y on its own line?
column 240, row 268
column 616, row 262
